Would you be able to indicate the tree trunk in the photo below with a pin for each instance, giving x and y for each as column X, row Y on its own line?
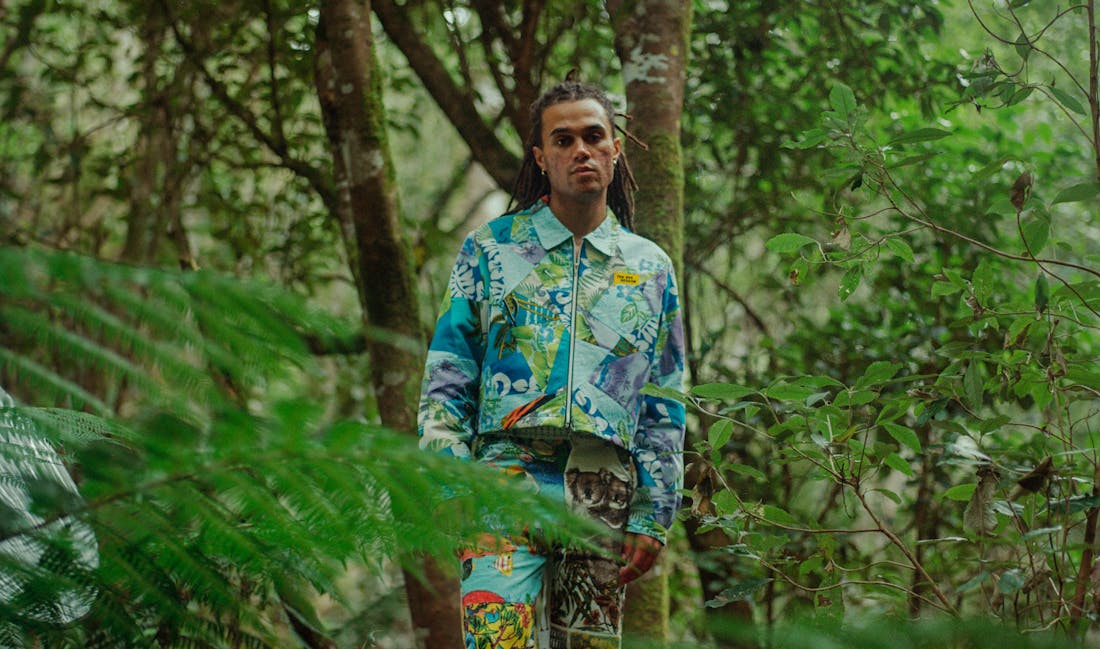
column 142, row 233
column 356, row 131
column 651, row 38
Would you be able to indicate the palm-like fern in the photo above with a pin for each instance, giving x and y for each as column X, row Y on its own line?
column 204, row 512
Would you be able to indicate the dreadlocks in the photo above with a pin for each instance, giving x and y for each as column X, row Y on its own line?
column 532, row 185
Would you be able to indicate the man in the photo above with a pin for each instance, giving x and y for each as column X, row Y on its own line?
column 556, row 316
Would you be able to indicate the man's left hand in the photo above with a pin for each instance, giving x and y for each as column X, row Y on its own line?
column 639, row 552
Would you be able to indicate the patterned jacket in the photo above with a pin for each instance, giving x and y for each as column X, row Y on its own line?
column 534, row 339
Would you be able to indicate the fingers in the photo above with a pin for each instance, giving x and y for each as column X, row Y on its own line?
column 639, row 554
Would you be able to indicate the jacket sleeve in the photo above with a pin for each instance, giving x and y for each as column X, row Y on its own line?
column 448, row 411
column 659, row 441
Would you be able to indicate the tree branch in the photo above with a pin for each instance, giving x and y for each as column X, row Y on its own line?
column 749, row 311
column 273, row 83
column 27, row 16
column 317, row 179
column 457, row 103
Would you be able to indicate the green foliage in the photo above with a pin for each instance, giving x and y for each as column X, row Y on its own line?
column 208, row 509
column 926, row 439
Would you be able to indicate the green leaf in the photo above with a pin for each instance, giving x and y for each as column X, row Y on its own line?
column 898, row 463
column 665, row 393
column 1075, row 504
column 1068, row 100
column 809, row 565
column 720, row 433
column 778, row 515
column 1011, row 581
column 972, row 383
column 993, row 423
column 878, row 372
column 850, row 282
column 723, row 391
column 842, row 99
column 738, row 592
column 726, row 501
column 809, row 139
column 961, row 492
column 848, row 398
column 892, row 495
column 1079, row 192
column 788, row 392
column 1023, row 47
column 992, row 167
column 1020, row 95
column 920, row 135
column 1043, row 531
column 940, row 289
column 1042, row 293
column 973, row 582
column 788, row 242
column 914, row 159
column 746, row 470
column 1035, row 230
column 904, row 436
column 899, row 247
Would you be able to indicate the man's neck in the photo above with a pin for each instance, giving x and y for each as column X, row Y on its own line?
column 580, row 218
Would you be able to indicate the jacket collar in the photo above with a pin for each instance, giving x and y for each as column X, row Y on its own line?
column 552, row 233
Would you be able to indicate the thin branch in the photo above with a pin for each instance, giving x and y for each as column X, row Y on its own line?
column 900, row 545
column 926, row 221
column 457, row 102
column 1027, row 248
column 272, row 77
column 729, row 290
column 27, row 17
column 316, row 179
column 1094, row 85
column 853, row 582
column 457, row 44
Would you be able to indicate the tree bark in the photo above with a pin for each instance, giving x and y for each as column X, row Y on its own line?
column 651, row 39
column 357, row 136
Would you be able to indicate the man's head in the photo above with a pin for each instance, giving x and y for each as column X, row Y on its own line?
column 572, row 150
column 577, row 150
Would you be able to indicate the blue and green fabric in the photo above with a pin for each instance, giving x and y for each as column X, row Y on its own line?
column 538, row 336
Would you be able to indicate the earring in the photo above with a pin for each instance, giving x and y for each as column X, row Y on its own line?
column 615, row 162
column 543, row 171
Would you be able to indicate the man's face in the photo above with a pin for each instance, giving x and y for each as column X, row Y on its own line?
column 578, row 150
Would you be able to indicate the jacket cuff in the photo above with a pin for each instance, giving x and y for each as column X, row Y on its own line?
column 642, row 522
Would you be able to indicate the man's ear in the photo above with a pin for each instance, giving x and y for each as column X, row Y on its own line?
column 618, row 148
column 536, row 151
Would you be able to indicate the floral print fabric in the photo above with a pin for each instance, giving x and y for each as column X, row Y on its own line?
column 538, row 335
column 504, row 578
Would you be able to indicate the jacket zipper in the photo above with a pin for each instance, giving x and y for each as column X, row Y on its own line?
column 572, row 335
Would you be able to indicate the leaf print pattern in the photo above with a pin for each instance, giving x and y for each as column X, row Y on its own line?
column 507, row 335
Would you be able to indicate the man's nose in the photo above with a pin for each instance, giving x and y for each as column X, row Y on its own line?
column 582, row 152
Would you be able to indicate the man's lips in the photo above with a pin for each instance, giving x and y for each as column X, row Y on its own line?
column 584, row 170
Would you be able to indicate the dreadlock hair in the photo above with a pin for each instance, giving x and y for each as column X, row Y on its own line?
column 531, row 184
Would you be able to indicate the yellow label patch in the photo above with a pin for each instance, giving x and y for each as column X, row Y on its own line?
column 627, row 279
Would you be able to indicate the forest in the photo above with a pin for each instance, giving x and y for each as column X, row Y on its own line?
column 226, row 229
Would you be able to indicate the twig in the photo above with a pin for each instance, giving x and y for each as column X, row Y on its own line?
column 917, row 565
column 318, row 181
column 749, row 311
column 853, row 582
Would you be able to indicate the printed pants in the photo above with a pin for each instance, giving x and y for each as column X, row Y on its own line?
column 502, row 579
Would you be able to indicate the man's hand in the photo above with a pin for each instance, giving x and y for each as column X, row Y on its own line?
column 639, row 553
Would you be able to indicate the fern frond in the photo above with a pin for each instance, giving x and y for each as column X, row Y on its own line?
column 41, row 377
column 202, row 508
